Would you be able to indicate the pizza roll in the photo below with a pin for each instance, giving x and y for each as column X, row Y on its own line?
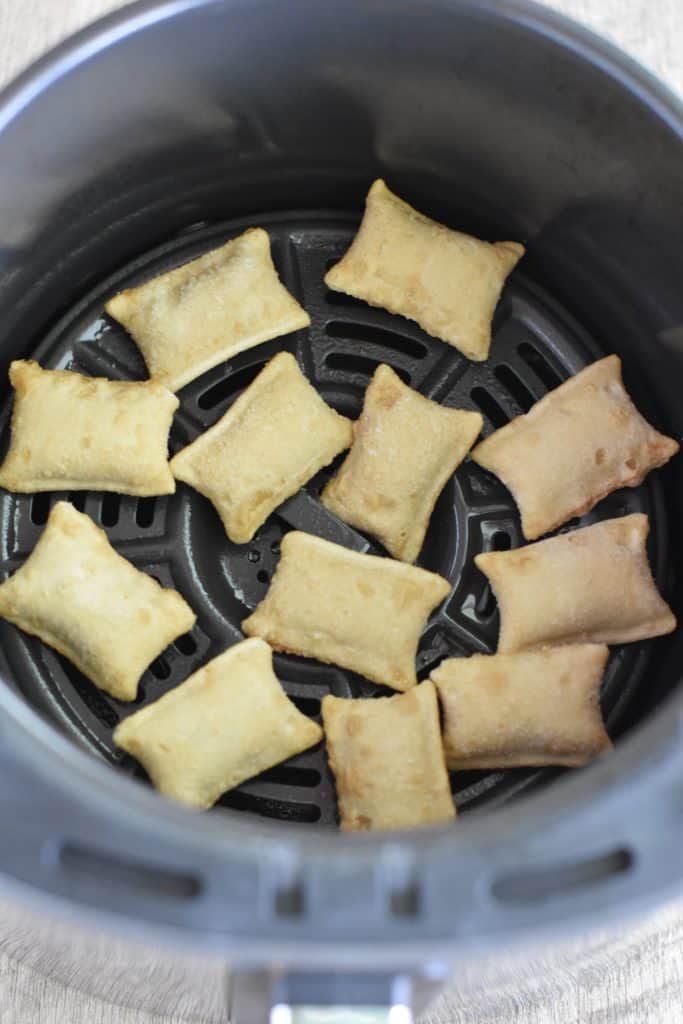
column 82, row 598
column 404, row 450
column 274, row 438
column 534, row 708
column 448, row 282
column 579, row 443
column 194, row 317
column 229, row 721
column 358, row 611
column 388, row 761
column 592, row 585
column 71, row 432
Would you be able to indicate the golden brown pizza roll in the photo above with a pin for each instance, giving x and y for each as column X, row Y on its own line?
column 388, row 761
column 579, row 443
column 71, row 432
column 273, row 439
column 228, row 722
column 194, row 317
column 591, row 585
column 358, row 611
column 404, row 450
column 82, row 598
column 534, row 708
column 409, row 264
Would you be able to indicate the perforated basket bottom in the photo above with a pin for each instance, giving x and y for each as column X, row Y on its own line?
column 181, row 542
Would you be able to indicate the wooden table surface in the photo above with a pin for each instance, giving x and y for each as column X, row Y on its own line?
column 634, row 976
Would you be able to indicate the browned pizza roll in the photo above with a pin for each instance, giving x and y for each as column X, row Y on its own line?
column 533, row 708
column 388, row 761
column 194, row 317
column 274, row 438
column 579, row 443
column 358, row 611
column 407, row 263
column 71, row 432
column 93, row 606
column 228, row 722
column 404, row 450
column 590, row 585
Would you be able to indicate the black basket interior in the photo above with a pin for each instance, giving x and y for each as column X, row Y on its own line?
column 180, row 540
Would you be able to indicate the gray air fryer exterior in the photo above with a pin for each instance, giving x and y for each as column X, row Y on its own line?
column 502, row 119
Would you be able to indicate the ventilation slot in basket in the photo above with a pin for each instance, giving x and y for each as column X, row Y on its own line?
column 285, row 811
column 541, row 367
column 351, row 363
column 490, row 408
column 40, row 508
column 111, row 507
column 371, row 335
column 517, row 388
column 144, row 513
column 291, row 775
column 229, row 387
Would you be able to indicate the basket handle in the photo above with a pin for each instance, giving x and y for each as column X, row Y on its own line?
column 327, row 997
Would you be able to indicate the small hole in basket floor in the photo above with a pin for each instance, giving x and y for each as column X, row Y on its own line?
column 306, row 705
column 489, row 406
column 144, row 513
column 486, row 603
column 186, row 644
column 501, row 541
column 77, row 499
column 111, row 506
column 40, row 508
column 160, row 668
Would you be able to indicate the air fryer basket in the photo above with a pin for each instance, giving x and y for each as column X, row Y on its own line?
column 161, row 133
column 181, row 541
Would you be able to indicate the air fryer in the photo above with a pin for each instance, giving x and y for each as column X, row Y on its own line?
column 163, row 131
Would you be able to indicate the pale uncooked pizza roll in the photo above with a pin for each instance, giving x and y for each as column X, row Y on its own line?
column 533, row 708
column 358, row 611
column 591, row 585
column 388, row 761
column 187, row 321
column 229, row 721
column 404, row 450
column 579, row 443
column 71, row 432
column 82, row 598
column 407, row 263
column 273, row 439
